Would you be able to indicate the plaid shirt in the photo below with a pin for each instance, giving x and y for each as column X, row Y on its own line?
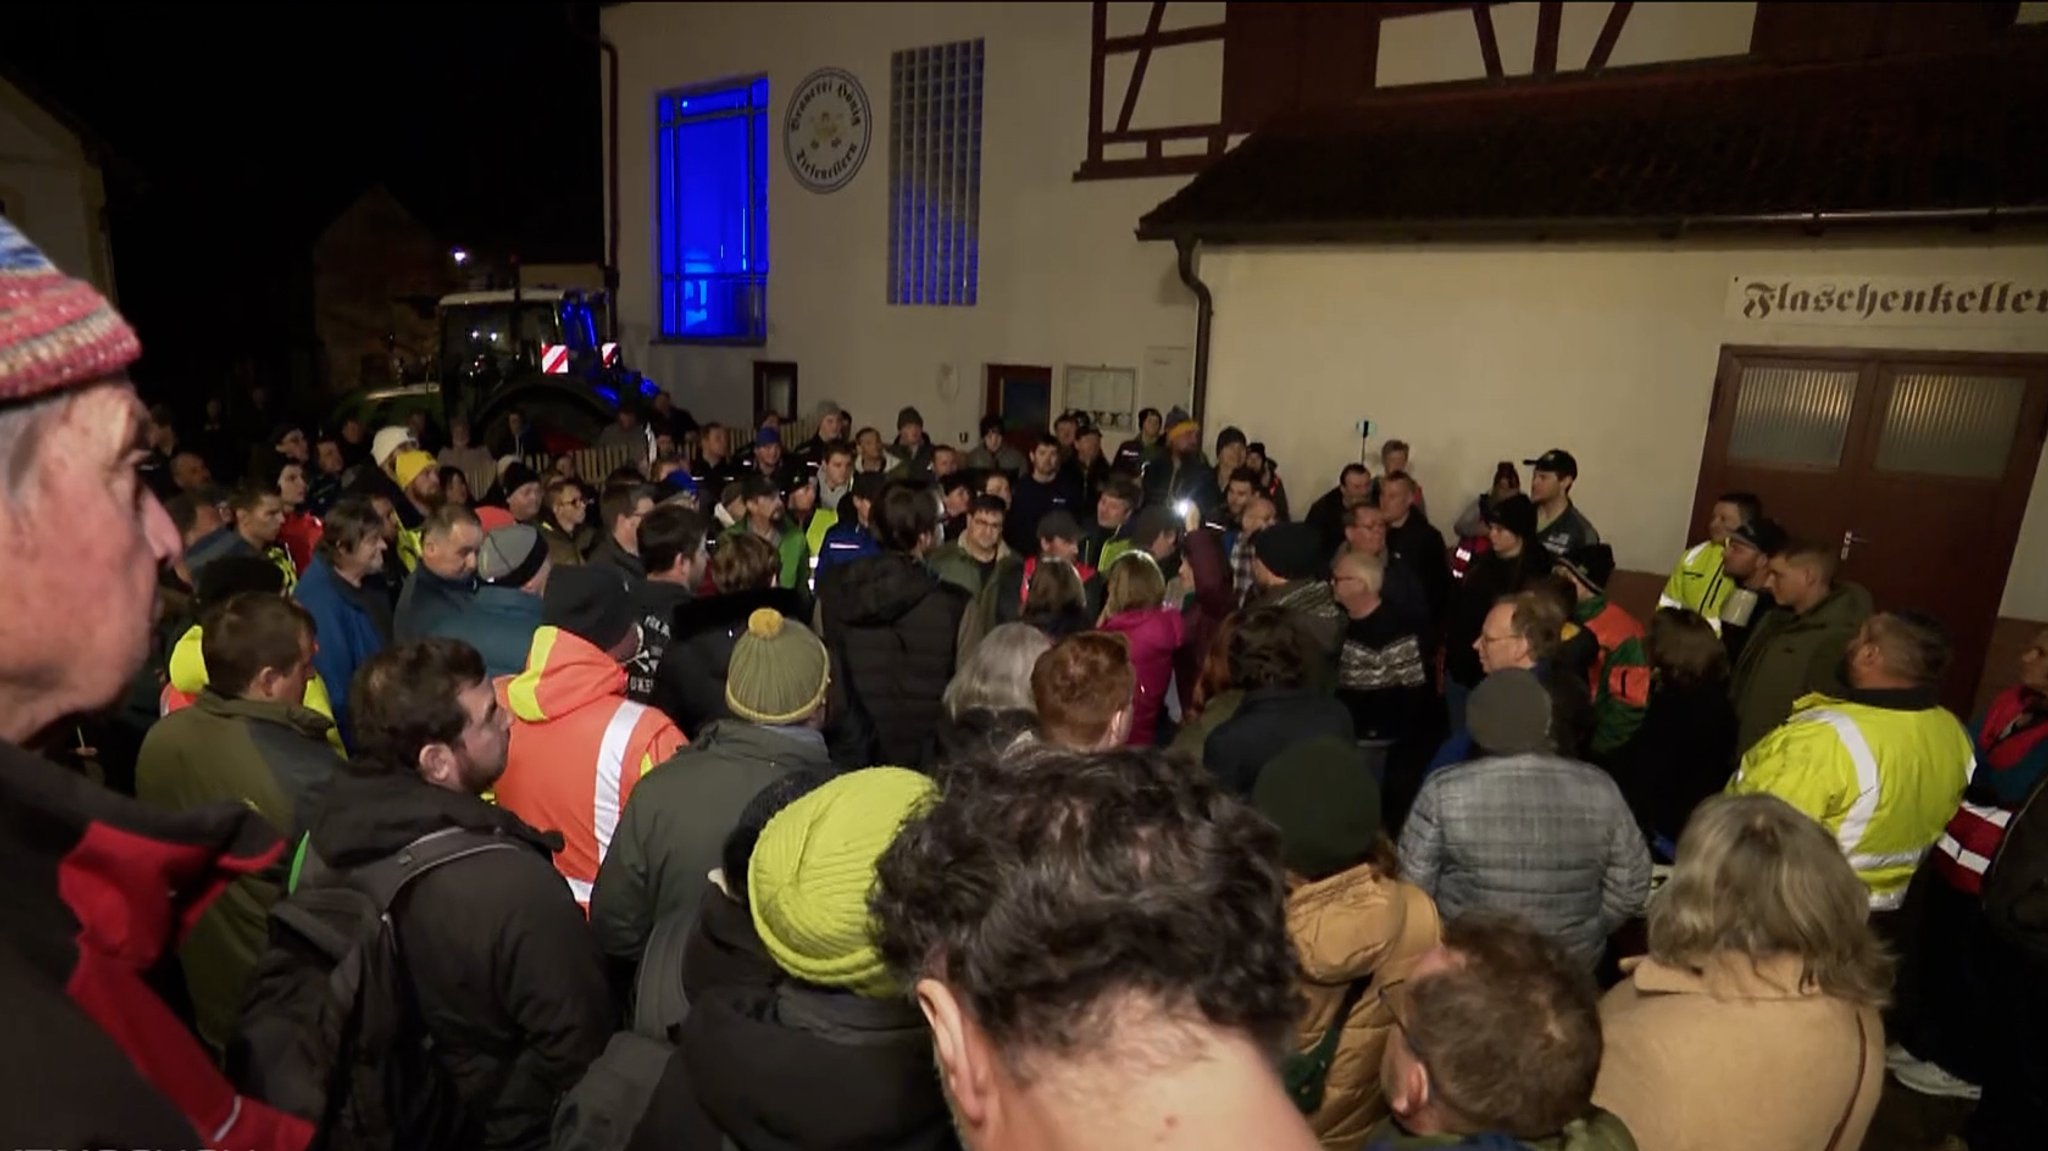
column 1240, row 568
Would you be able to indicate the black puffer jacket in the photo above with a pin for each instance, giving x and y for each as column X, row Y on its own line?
column 508, row 976
column 891, row 626
column 689, row 682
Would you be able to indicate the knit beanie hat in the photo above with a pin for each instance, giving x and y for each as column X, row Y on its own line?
column 511, row 555
column 1322, row 797
column 55, row 332
column 1291, row 551
column 591, row 602
column 778, row 670
column 1180, row 423
column 1517, row 514
column 813, row 869
column 1509, row 713
column 410, row 464
column 907, row 417
column 386, row 443
column 516, row 476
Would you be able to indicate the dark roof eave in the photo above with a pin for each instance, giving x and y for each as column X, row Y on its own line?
column 1980, row 219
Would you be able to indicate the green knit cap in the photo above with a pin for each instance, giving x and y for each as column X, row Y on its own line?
column 1323, row 798
column 778, row 671
column 812, row 871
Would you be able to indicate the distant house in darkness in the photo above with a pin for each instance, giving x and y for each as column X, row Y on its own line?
column 51, row 186
column 376, row 272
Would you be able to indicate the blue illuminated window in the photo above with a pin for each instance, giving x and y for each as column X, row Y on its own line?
column 935, row 174
column 712, row 212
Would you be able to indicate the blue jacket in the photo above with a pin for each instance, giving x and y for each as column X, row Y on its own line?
column 346, row 633
column 426, row 601
column 845, row 543
column 499, row 623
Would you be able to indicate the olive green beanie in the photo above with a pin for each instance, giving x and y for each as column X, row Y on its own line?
column 778, row 671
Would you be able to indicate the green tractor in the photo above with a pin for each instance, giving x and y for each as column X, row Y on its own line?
column 534, row 351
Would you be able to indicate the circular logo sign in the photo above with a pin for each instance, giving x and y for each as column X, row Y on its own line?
column 826, row 133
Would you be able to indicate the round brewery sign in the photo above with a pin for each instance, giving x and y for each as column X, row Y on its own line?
column 826, row 133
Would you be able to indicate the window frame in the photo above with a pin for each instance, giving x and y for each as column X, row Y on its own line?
column 758, row 195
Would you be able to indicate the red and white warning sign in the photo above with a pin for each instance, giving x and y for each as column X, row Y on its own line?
column 554, row 359
column 609, row 354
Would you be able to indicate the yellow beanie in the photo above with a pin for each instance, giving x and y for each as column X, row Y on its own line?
column 408, row 466
column 813, row 868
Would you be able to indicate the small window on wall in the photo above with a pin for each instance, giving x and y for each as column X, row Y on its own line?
column 935, row 174
column 711, row 210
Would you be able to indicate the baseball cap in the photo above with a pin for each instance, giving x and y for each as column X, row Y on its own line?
column 1557, row 462
column 1765, row 535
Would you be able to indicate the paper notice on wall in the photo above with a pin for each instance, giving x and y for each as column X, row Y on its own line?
column 1108, row 395
column 2018, row 304
column 1168, row 379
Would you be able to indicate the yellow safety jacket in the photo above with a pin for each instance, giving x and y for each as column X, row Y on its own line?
column 1883, row 781
column 409, row 544
column 1700, row 583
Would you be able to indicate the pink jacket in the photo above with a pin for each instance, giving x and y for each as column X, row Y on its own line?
column 1154, row 633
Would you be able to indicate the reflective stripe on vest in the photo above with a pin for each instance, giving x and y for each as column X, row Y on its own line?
column 611, row 764
column 1862, row 809
column 580, row 888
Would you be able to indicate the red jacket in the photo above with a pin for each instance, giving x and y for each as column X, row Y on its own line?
column 99, row 888
column 299, row 536
column 578, row 748
column 1154, row 634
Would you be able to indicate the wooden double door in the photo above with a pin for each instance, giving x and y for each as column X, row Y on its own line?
column 1915, row 466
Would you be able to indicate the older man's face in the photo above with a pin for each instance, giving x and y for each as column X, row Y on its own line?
column 82, row 500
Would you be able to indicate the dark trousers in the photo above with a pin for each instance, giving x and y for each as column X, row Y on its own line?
column 1943, row 1007
column 2013, row 1115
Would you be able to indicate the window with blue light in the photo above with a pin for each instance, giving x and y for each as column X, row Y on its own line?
column 712, row 212
column 935, row 174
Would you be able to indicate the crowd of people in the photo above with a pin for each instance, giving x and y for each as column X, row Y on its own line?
column 866, row 792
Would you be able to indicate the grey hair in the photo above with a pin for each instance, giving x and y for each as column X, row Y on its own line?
column 998, row 675
column 1371, row 569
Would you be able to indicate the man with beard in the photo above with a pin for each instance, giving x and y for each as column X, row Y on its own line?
column 420, row 482
column 505, row 973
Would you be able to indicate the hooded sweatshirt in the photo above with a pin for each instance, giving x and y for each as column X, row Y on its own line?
column 578, row 747
column 188, row 679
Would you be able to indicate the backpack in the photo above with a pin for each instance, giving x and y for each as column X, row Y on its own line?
column 330, row 1030
column 605, row 1107
column 1304, row 1073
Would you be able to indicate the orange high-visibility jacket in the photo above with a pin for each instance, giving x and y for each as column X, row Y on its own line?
column 578, row 748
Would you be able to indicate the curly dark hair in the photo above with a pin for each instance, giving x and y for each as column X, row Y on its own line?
column 1269, row 650
column 1049, row 887
column 405, row 698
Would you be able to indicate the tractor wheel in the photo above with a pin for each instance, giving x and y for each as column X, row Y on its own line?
column 565, row 421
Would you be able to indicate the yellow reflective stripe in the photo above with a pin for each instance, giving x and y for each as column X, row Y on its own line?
column 523, row 693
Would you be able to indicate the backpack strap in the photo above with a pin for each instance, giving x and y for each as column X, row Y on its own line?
column 384, row 879
column 659, row 1002
column 1326, row 1047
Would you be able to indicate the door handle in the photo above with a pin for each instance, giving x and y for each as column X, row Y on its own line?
column 1850, row 539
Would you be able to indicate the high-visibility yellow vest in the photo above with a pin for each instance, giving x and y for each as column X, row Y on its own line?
column 1700, row 583
column 1883, row 781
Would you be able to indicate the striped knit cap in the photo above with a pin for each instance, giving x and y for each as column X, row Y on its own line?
column 55, row 332
column 813, row 868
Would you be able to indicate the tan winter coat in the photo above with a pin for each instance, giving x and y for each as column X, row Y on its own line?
column 1353, row 924
column 1737, row 1055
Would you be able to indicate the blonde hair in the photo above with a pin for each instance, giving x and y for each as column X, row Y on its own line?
column 1135, row 581
column 1756, row 877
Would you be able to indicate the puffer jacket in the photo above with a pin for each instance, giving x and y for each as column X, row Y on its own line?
column 689, row 682
column 578, row 749
column 1154, row 635
column 891, row 627
column 1355, row 925
column 1549, row 839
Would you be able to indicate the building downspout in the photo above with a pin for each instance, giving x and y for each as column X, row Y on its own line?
column 1205, row 311
column 611, row 240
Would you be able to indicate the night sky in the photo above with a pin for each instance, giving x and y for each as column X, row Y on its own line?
column 239, row 132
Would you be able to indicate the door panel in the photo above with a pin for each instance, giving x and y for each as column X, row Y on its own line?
column 1917, row 467
column 1022, row 395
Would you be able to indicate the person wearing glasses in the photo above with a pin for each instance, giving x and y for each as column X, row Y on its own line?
column 1496, row 1045
column 561, row 517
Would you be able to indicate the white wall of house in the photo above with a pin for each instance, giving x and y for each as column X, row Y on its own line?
column 1062, row 280
column 52, row 189
column 1478, row 354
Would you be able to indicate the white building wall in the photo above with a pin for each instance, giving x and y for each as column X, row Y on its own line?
column 51, row 190
column 1063, row 281
column 1479, row 354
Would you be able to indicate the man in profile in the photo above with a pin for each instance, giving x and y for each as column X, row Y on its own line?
column 1098, row 943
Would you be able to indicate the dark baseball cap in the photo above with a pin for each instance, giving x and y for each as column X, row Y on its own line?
column 1763, row 534
column 1557, row 462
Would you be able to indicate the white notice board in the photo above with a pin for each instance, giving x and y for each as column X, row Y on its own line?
column 1108, row 395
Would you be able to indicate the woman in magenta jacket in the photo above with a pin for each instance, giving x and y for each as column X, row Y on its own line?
column 1133, row 606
